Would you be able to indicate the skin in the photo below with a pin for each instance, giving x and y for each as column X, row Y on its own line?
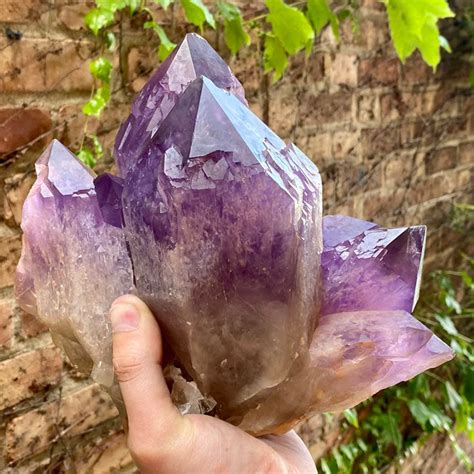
column 160, row 439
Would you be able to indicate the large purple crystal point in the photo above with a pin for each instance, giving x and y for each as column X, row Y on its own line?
column 192, row 58
column 367, row 267
column 224, row 226
column 68, row 253
column 352, row 356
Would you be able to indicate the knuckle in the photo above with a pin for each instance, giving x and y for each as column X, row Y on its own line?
column 128, row 367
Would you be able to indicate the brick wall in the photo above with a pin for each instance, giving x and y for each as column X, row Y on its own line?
column 394, row 144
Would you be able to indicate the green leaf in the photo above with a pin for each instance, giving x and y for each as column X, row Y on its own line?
column 166, row 45
column 112, row 5
column 110, row 40
column 290, row 26
column 319, row 14
column 393, row 431
column 98, row 101
column 197, row 13
column 468, row 385
column 447, row 324
column 451, row 302
column 87, row 157
column 234, row 34
column 98, row 150
column 454, row 399
column 101, row 68
column 428, row 415
column 351, row 416
column 163, row 3
column 98, row 18
column 133, row 5
column 414, row 25
column 274, row 57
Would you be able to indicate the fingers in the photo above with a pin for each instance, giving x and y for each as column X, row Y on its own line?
column 137, row 355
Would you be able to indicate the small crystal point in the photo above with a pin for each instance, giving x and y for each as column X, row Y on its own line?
column 192, row 58
column 109, row 190
column 73, row 265
column 385, row 263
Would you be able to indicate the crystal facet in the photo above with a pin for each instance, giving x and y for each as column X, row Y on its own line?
column 385, row 263
column 217, row 224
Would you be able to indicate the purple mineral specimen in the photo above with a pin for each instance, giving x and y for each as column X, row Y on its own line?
column 223, row 224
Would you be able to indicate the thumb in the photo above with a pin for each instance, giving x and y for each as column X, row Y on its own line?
column 137, row 355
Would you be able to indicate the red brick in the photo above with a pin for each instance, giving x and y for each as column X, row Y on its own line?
column 16, row 190
column 72, row 16
column 74, row 414
column 326, row 108
column 13, row 11
column 416, row 71
column 110, row 455
column 466, row 153
column 10, row 248
column 432, row 187
column 441, row 160
column 141, row 63
column 368, row 108
column 376, row 205
column 18, row 127
column 345, row 143
column 381, row 71
column 30, row 326
column 379, row 141
column 37, row 65
column 344, row 69
column 6, row 323
column 27, row 374
column 391, row 107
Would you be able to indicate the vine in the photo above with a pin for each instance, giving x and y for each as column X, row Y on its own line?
column 284, row 29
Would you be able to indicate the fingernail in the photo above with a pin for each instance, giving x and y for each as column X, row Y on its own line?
column 124, row 318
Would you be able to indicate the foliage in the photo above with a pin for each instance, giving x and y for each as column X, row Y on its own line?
column 285, row 29
column 395, row 424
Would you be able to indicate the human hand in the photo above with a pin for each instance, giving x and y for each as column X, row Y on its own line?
column 160, row 439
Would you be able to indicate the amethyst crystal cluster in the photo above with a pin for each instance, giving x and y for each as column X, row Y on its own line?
column 272, row 311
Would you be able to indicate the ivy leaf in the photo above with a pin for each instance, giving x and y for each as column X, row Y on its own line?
column 234, row 34
column 134, row 5
column 197, row 13
column 166, row 45
column 110, row 40
column 112, row 5
column 274, row 57
column 351, row 416
column 87, row 157
column 97, row 102
column 454, row 399
column 319, row 14
column 98, row 18
column 290, row 26
column 447, row 324
column 101, row 69
column 163, row 3
column 414, row 25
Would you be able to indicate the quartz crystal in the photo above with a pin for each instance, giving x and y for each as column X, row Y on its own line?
column 217, row 225
column 73, row 264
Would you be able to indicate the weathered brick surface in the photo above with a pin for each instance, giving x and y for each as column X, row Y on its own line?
column 26, row 374
column 6, row 322
column 394, row 143
column 69, row 416
column 20, row 127
column 37, row 65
